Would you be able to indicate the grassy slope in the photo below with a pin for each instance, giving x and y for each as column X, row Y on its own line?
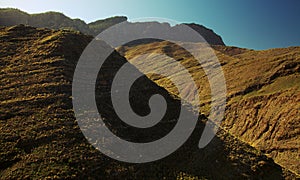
column 39, row 136
column 263, row 91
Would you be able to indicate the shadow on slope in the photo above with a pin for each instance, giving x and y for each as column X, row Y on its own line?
column 40, row 138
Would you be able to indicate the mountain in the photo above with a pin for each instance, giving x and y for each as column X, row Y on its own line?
column 100, row 25
column 56, row 20
column 40, row 137
column 263, row 92
column 52, row 20
column 207, row 34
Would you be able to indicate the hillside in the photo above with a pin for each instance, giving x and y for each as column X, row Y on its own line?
column 100, row 25
column 56, row 20
column 40, row 137
column 52, row 20
column 263, row 93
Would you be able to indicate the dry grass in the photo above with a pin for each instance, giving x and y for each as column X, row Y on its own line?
column 40, row 138
column 263, row 93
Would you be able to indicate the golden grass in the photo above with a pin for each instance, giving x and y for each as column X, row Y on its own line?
column 262, row 90
column 40, row 138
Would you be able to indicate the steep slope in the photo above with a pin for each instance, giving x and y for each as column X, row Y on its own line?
column 209, row 35
column 40, row 138
column 263, row 91
column 56, row 20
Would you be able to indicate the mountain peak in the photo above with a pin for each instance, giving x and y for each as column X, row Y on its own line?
column 208, row 34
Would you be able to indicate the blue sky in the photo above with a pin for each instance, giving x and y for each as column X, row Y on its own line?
column 255, row 24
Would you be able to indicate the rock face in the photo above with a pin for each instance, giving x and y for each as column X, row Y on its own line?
column 55, row 20
column 40, row 138
column 209, row 35
column 263, row 93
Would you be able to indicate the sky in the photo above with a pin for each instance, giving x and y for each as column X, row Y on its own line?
column 254, row 24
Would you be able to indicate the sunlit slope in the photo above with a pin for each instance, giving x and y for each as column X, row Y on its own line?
column 263, row 92
column 40, row 137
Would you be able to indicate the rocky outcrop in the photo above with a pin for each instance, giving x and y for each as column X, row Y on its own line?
column 209, row 35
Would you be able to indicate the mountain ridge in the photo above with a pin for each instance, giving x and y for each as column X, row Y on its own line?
column 57, row 20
